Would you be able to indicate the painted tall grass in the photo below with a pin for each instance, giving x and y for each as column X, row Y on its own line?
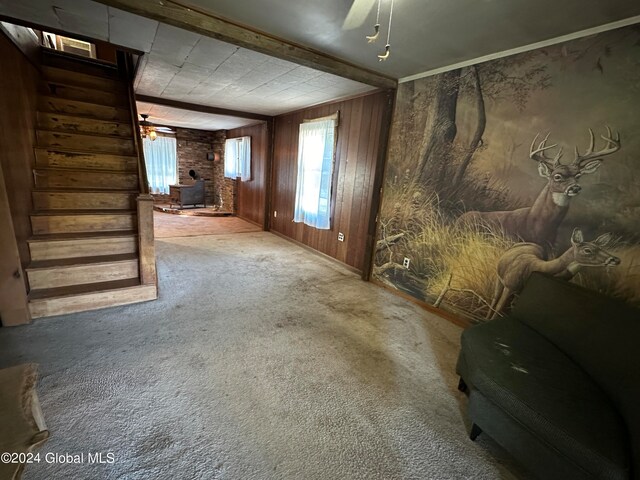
column 460, row 261
column 457, row 260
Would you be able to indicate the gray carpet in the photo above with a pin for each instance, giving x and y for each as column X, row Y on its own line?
column 260, row 360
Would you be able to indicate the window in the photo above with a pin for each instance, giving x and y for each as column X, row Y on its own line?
column 237, row 158
column 316, row 147
column 160, row 158
column 70, row 45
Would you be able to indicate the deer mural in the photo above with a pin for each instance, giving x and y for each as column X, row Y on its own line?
column 517, row 263
column 539, row 223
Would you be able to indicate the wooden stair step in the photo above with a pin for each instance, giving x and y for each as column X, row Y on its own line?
column 51, row 222
column 84, row 200
column 80, row 261
column 47, row 103
column 80, row 298
column 76, row 63
column 84, row 94
column 45, row 178
column 70, row 77
column 85, row 142
column 79, row 236
column 69, row 159
column 69, row 245
column 76, row 124
column 45, row 274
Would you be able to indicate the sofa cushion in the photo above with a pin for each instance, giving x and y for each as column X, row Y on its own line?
column 599, row 333
column 548, row 394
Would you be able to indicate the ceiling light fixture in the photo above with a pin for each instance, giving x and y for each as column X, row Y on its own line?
column 146, row 129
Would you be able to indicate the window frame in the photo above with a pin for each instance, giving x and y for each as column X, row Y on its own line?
column 148, row 161
column 334, row 167
column 238, row 162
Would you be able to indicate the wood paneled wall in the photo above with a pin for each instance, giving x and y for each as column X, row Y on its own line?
column 357, row 153
column 18, row 97
column 252, row 194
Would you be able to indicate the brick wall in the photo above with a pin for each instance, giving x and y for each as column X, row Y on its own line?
column 192, row 149
column 225, row 188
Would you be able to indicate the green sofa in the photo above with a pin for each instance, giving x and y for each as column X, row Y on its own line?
column 556, row 382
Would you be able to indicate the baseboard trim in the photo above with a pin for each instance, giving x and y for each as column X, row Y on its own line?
column 253, row 222
column 459, row 321
column 317, row 252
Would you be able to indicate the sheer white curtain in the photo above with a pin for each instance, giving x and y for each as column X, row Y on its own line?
column 237, row 158
column 315, row 171
column 160, row 158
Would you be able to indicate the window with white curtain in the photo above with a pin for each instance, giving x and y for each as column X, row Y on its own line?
column 237, row 158
column 161, row 160
column 316, row 147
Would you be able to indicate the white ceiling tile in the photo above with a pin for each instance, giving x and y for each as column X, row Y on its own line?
column 36, row 11
column 80, row 8
column 176, row 117
column 305, row 73
column 283, row 63
column 131, row 30
column 321, row 81
column 250, row 56
column 83, row 18
column 210, row 53
column 155, row 76
column 179, row 87
column 304, row 88
column 173, row 44
column 206, row 93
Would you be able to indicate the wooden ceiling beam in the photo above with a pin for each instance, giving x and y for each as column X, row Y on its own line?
column 189, row 18
column 194, row 107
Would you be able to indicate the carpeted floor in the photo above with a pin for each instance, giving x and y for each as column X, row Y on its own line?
column 259, row 361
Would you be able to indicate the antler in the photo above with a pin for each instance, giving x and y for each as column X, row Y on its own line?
column 538, row 155
column 613, row 145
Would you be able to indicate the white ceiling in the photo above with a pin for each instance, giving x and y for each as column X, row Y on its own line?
column 177, row 117
column 189, row 67
column 426, row 35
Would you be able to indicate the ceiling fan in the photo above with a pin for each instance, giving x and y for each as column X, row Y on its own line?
column 358, row 13
column 148, row 129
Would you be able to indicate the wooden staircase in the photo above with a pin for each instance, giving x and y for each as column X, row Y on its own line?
column 92, row 223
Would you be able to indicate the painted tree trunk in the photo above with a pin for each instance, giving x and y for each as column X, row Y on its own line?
column 441, row 132
column 480, row 126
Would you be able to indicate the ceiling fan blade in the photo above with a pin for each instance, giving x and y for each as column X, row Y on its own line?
column 358, row 14
column 164, row 129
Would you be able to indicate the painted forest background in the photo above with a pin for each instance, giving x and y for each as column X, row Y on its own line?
column 463, row 141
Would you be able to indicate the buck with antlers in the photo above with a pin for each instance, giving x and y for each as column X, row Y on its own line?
column 539, row 223
column 517, row 263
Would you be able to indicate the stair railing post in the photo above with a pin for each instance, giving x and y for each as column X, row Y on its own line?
column 146, row 245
